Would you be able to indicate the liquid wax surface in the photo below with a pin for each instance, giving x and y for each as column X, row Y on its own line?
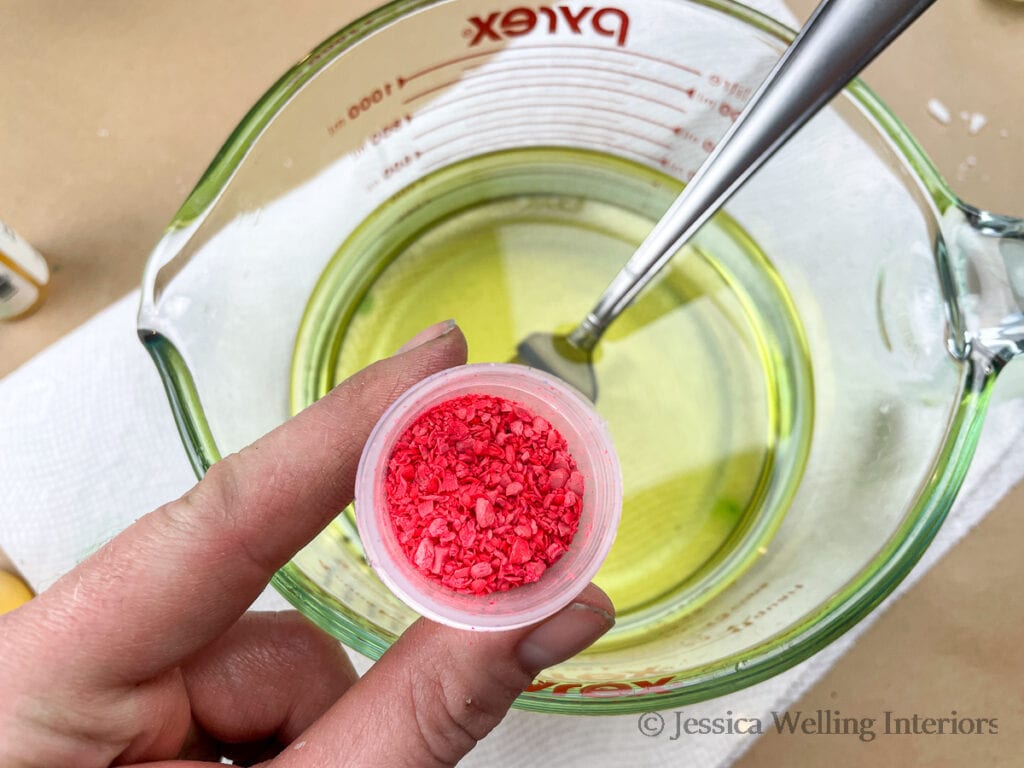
column 687, row 376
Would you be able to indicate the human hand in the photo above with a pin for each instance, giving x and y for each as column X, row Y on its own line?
column 144, row 653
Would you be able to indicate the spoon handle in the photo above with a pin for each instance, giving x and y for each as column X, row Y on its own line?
column 839, row 40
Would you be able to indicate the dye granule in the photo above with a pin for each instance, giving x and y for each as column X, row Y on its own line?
column 483, row 495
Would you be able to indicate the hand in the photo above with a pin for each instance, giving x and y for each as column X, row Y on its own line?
column 144, row 652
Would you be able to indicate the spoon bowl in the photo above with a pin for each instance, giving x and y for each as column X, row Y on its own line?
column 558, row 355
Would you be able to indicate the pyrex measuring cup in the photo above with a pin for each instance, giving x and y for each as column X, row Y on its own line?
column 794, row 403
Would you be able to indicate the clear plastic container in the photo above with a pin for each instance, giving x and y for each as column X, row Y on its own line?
column 590, row 445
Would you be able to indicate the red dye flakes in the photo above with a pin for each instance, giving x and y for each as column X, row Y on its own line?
column 483, row 495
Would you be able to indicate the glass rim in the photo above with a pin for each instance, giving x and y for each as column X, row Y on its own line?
column 773, row 655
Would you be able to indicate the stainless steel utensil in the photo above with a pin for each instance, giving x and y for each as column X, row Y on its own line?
column 840, row 39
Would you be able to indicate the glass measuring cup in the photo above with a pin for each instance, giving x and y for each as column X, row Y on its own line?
column 847, row 321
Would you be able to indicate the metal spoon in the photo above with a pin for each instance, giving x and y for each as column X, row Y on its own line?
column 839, row 40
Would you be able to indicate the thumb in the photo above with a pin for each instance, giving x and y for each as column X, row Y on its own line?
column 438, row 690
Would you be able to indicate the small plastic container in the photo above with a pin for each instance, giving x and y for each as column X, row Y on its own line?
column 24, row 276
column 589, row 443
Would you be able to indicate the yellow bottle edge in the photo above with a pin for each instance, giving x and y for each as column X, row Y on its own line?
column 14, row 592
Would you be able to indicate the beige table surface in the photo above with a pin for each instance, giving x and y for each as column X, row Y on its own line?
column 111, row 109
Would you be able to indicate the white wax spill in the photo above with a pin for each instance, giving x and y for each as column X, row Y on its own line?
column 976, row 123
column 939, row 111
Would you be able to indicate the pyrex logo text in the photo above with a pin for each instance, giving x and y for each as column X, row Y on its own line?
column 521, row 21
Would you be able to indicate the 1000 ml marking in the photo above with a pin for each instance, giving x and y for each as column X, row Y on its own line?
column 521, row 21
column 358, row 108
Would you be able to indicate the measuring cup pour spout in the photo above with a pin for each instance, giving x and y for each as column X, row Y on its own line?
column 981, row 266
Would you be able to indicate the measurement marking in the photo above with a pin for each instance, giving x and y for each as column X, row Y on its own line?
column 402, row 81
column 506, row 134
column 518, row 131
column 561, row 104
column 603, row 89
column 475, row 137
column 524, row 125
column 555, row 101
column 726, row 110
column 549, row 60
column 423, row 94
column 561, row 141
column 685, row 91
column 483, row 76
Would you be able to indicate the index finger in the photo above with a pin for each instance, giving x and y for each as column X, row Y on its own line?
column 180, row 576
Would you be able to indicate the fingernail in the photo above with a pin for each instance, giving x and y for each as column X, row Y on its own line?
column 435, row 331
column 563, row 636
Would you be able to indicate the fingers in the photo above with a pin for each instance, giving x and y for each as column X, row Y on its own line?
column 186, row 572
column 427, row 334
column 268, row 678
column 438, row 690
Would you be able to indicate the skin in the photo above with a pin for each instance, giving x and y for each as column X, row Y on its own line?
column 144, row 653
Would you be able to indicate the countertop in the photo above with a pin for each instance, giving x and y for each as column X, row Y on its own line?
column 110, row 111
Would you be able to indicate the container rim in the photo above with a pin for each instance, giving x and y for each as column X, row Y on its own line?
column 589, row 442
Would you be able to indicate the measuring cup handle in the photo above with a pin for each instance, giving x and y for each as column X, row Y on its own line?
column 839, row 40
column 981, row 265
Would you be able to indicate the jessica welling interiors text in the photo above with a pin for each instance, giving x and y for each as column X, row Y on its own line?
column 819, row 722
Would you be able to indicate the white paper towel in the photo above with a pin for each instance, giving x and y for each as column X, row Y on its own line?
column 87, row 445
